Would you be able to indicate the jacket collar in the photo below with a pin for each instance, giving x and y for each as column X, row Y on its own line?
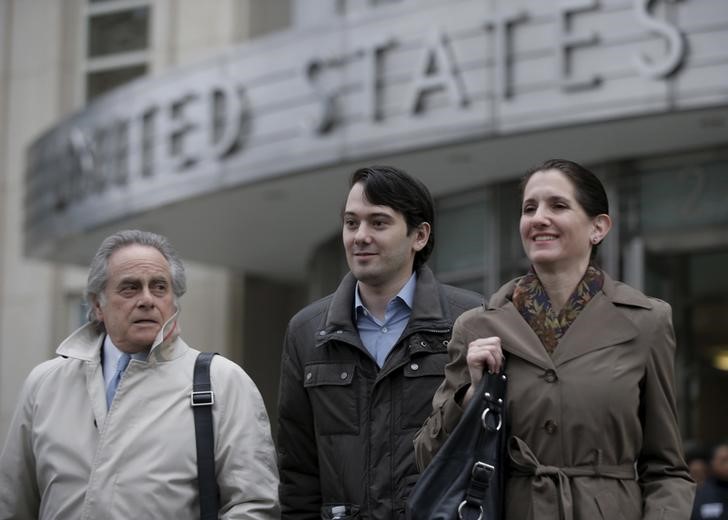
column 600, row 324
column 428, row 310
column 85, row 343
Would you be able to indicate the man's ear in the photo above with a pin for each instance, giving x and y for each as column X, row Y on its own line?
column 98, row 312
column 422, row 236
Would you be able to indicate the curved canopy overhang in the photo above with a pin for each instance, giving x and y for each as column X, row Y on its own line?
column 243, row 160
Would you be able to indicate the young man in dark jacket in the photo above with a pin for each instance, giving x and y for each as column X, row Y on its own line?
column 360, row 367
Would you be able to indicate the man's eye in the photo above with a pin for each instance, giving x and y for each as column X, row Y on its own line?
column 127, row 290
column 350, row 224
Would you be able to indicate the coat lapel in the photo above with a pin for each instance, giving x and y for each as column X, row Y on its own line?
column 517, row 337
column 600, row 324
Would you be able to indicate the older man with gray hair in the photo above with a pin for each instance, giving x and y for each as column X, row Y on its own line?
column 106, row 429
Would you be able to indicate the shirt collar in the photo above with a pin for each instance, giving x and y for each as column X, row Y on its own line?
column 406, row 294
column 112, row 354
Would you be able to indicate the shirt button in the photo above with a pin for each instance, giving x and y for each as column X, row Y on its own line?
column 385, row 329
column 344, row 375
column 550, row 376
column 414, row 366
column 550, row 427
column 322, row 333
column 339, row 331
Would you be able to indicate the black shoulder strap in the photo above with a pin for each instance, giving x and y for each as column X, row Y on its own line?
column 489, row 452
column 201, row 400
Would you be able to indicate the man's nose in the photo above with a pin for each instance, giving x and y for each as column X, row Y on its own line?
column 145, row 298
column 362, row 233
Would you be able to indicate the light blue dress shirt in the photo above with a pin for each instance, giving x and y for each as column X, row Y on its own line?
column 111, row 359
column 379, row 337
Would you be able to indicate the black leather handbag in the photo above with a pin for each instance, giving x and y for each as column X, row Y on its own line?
column 465, row 480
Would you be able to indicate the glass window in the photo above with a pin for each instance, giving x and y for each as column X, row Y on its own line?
column 76, row 310
column 675, row 206
column 118, row 38
column 99, row 82
column 684, row 197
column 461, row 237
column 694, row 285
column 477, row 243
column 512, row 259
column 123, row 31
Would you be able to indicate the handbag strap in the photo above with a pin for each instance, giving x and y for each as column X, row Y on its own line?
column 202, row 399
column 492, row 395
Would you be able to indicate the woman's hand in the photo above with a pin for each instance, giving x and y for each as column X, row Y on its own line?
column 483, row 353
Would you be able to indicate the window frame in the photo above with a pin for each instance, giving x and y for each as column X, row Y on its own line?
column 111, row 62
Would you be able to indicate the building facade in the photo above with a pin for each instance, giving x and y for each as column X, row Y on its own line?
column 232, row 128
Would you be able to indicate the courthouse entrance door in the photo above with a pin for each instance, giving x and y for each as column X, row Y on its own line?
column 696, row 285
column 673, row 234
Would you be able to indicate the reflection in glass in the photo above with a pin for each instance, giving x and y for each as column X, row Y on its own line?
column 461, row 237
column 124, row 31
column 98, row 83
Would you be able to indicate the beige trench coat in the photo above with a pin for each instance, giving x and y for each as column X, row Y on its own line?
column 67, row 458
column 593, row 427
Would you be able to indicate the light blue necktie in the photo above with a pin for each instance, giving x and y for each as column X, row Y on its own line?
column 120, row 367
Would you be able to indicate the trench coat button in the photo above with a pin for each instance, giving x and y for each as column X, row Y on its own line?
column 322, row 333
column 550, row 427
column 423, row 343
column 550, row 376
column 415, row 366
column 309, row 375
column 344, row 375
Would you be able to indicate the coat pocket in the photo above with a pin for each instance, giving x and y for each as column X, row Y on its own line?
column 422, row 376
column 333, row 397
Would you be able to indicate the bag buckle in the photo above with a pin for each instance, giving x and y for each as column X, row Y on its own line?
column 460, row 510
column 488, row 426
column 203, row 398
column 482, row 466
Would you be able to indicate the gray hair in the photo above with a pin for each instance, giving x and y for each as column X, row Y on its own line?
column 98, row 274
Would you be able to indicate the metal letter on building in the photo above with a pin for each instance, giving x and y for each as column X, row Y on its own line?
column 437, row 71
column 675, row 43
column 501, row 25
column 315, row 69
column 372, row 70
column 565, row 42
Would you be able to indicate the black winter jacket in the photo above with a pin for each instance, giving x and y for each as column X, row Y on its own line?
column 346, row 426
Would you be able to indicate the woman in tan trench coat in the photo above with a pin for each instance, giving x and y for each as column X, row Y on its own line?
column 591, row 408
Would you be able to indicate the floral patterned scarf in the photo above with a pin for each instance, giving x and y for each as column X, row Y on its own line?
column 531, row 300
